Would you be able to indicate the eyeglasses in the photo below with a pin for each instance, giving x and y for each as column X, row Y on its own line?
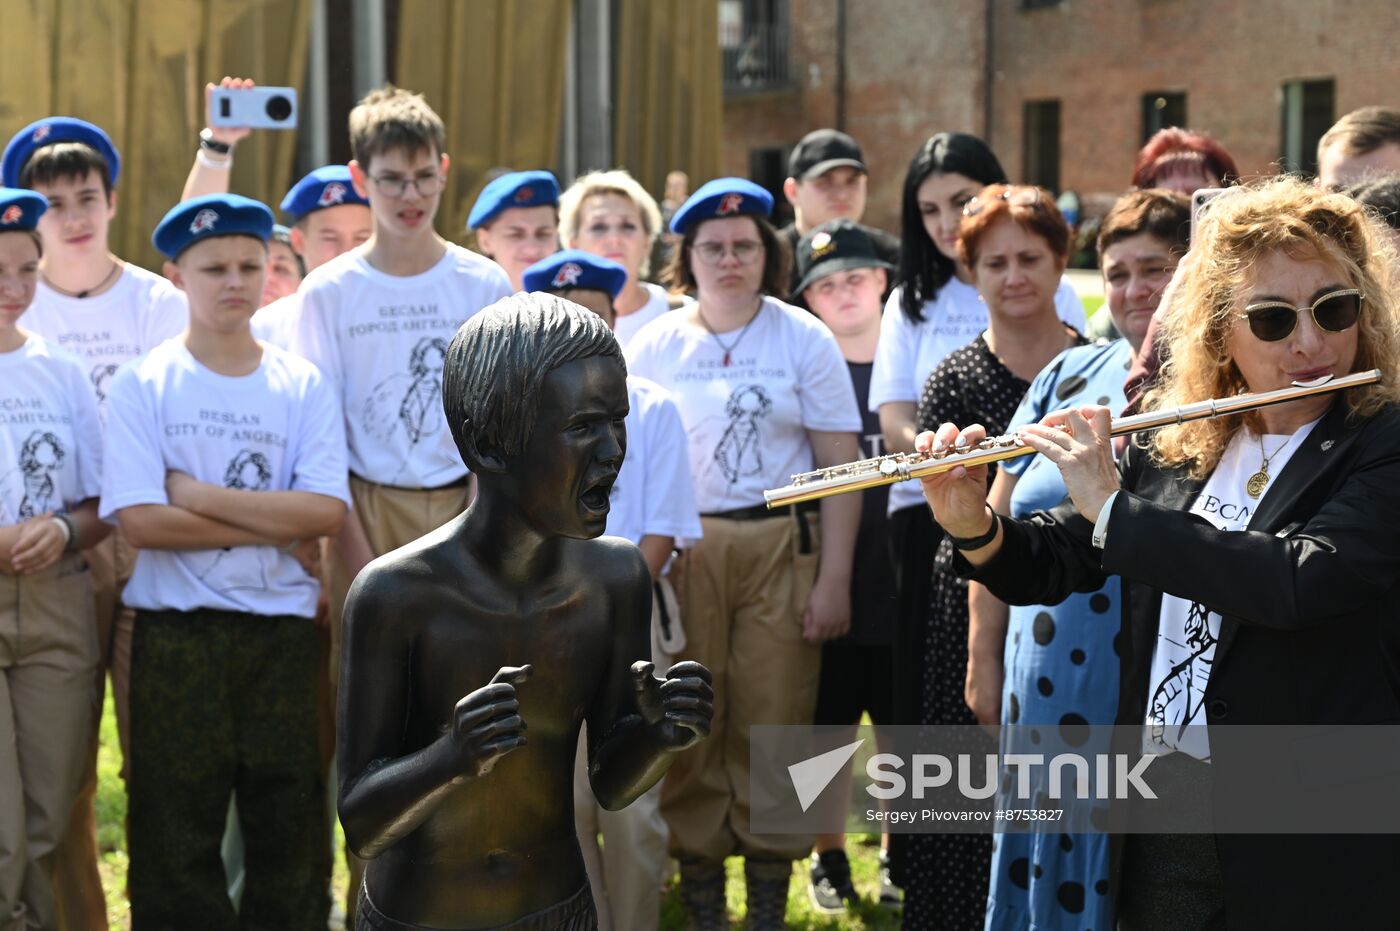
column 1334, row 312
column 745, row 250
column 394, row 186
column 1017, row 195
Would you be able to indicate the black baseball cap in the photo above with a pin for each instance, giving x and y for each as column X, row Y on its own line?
column 835, row 246
column 822, row 150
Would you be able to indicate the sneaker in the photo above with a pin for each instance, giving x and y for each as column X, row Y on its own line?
column 830, row 886
column 891, row 896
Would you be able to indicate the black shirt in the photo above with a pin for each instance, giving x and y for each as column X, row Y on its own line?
column 872, row 570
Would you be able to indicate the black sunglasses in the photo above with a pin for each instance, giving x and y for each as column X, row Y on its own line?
column 1334, row 312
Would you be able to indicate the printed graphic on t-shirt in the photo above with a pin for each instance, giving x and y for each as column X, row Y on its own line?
column 739, row 451
column 100, row 375
column 409, row 405
column 220, row 569
column 99, row 344
column 34, row 479
column 1177, row 699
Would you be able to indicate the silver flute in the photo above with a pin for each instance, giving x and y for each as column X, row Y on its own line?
column 903, row 467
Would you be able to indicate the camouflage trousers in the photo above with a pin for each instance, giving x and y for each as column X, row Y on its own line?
column 225, row 703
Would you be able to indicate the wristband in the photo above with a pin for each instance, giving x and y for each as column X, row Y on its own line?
column 982, row 539
column 209, row 143
column 208, row 162
column 70, row 537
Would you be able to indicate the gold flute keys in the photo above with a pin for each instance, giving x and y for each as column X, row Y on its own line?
column 903, row 467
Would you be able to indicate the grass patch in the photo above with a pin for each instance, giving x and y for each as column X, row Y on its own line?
column 863, row 850
column 864, row 853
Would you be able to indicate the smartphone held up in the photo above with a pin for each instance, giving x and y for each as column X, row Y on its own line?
column 254, row 107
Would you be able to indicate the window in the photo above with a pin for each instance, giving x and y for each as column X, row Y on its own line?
column 1161, row 109
column 1040, row 158
column 1308, row 108
column 753, row 39
column 768, row 169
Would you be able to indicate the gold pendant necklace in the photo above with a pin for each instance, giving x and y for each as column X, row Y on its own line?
column 1255, row 486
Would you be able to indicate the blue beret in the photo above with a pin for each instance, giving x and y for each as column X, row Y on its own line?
column 722, row 197
column 209, row 216
column 325, row 187
column 20, row 209
column 517, row 189
column 49, row 130
column 574, row 268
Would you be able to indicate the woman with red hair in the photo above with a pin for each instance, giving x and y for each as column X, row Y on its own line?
column 1184, row 160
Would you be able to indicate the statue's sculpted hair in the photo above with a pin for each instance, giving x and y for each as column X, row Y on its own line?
column 498, row 361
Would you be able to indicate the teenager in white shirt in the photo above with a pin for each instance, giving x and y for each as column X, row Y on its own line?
column 106, row 312
column 223, row 454
column 609, row 214
column 516, row 221
column 653, row 506
column 763, row 392
column 50, row 457
column 377, row 322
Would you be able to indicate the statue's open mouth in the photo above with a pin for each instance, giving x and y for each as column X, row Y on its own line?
column 595, row 498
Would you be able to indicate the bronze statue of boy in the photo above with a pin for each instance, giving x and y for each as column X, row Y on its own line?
column 517, row 606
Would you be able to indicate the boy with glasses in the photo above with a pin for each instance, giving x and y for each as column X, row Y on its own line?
column 377, row 323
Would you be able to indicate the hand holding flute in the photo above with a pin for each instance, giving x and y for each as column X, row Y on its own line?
column 1078, row 441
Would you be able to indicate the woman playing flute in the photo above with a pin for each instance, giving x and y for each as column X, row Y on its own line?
column 1259, row 554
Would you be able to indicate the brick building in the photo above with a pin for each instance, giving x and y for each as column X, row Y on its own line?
column 1064, row 90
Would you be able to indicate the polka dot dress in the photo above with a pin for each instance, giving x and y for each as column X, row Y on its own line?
column 1061, row 665
column 947, row 873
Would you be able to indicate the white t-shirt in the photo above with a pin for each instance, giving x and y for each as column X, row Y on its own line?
column 747, row 422
column 627, row 325
column 132, row 317
column 275, row 323
column 50, row 436
column 908, row 353
column 277, row 429
column 380, row 340
column 1188, row 631
column 653, row 493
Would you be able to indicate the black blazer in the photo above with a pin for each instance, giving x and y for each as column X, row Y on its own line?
column 1309, row 634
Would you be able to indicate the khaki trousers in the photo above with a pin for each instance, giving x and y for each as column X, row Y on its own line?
column 77, row 882
column 48, row 672
column 392, row 517
column 743, row 590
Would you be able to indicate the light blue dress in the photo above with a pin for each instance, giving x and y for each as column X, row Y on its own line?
column 1061, row 669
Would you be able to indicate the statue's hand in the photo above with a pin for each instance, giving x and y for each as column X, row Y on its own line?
column 486, row 725
column 680, row 706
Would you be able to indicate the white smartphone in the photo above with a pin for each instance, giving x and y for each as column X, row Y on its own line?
column 1200, row 203
column 254, row 107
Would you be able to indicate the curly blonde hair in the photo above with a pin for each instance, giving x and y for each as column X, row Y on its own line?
column 1201, row 306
